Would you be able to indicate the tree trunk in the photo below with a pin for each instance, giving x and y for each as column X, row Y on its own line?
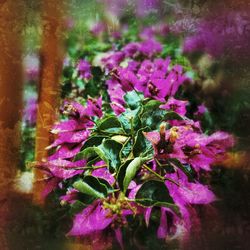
column 51, row 62
column 11, row 84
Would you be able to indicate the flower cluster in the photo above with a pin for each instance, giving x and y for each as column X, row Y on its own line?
column 134, row 68
column 220, row 33
column 144, row 155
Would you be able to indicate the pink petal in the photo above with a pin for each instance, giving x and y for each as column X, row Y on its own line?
column 91, row 219
column 65, row 152
column 147, row 215
column 196, row 193
column 118, row 235
column 163, row 228
column 104, row 174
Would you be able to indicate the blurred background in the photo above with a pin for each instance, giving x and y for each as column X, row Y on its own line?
column 41, row 42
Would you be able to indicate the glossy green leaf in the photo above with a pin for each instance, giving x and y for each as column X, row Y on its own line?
column 152, row 118
column 111, row 153
column 131, row 171
column 91, row 153
column 130, row 119
column 186, row 169
column 142, row 146
column 155, row 193
column 93, row 141
column 171, row 115
column 133, row 99
column 91, row 186
column 152, row 104
column 122, row 172
column 108, row 122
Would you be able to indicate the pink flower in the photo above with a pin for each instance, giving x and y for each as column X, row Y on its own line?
column 93, row 218
column 175, row 105
column 150, row 48
column 84, row 69
column 201, row 110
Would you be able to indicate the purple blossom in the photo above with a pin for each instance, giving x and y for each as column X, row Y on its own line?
column 156, row 81
column 132, row 49
column 175, row 105
column 98, row 28
column 62, row 169
column 72, row 134
column 113, row 60
column 116, row 96
column 189, row 146
column 30, row 111
column 147, row 33
column 201, row 110
column 103, row 173
column 127, row 79
column 94, row 107
column 161, row 29
column 133, row 66
column 150, row 48
column 70, row 197
column 84, row 69
column 51, row 183
column 93, row 218
column 220, row 34
column 162, row 231
column 145, row 7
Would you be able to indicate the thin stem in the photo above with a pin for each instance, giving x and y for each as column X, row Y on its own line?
column 159, row 176
column 153, row 172
column 110, row 133
column 85, row 168
column 171, row 180
column 88, row 118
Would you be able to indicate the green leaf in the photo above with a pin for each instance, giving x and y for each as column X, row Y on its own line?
column 131, row 171
column 95, row 187
column 187, row 170
column 93, row 141
column 111, row 153
column 76, row 207
column 115, row 130
column 152, row 118
column 155, row 193
column 122, row 172
column 107, row 185
column 130, row 119
column 133, row 99
column 91, row 186
column 91, row 153
column 108, row 122
column 127, row 148
column 125, row 122
column 152, row 104
column 171, row 115
column 152, row 115
column 142, row 146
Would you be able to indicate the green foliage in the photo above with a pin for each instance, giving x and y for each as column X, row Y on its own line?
column 93, row 186
column 155, row 193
